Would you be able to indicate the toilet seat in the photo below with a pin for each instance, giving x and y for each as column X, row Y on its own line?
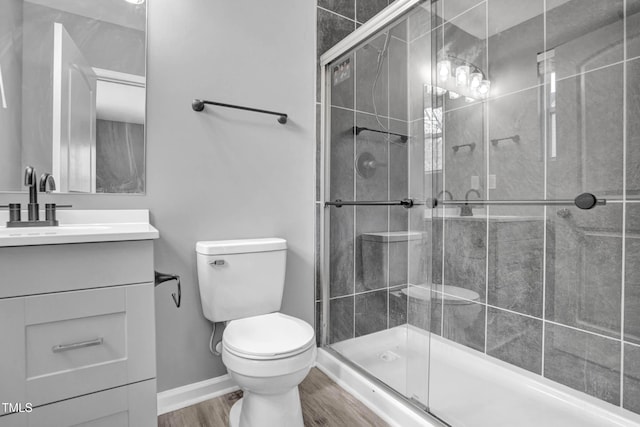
column 268, row 336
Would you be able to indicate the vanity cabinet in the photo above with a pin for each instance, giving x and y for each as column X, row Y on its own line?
column 78, row 334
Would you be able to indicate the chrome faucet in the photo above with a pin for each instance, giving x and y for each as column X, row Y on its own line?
column 30, row 181
column 466, row 209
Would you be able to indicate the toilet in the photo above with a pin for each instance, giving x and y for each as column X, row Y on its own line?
column 266, row 353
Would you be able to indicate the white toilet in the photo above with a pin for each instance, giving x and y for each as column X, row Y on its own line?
column 267, row 353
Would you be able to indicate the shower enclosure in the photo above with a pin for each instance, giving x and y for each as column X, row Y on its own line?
column 480, row 209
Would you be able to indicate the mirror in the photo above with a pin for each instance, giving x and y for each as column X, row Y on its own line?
column 72, row 94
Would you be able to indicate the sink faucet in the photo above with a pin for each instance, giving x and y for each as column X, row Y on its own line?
column 30, row 181
column 466, row 210
column 47, row 184
column 46, row 180
column 446, row 193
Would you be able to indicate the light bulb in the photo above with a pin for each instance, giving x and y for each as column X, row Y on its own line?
column 444, row 70
column 462, row 75
column 474, row 80
column 453, row 95
column 483, row 88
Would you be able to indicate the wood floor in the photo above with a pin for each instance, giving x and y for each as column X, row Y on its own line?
column 324, row 403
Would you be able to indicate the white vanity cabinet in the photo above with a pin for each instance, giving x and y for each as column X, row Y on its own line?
column 78, row 334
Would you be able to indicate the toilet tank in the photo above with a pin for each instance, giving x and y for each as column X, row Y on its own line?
column 241, row 278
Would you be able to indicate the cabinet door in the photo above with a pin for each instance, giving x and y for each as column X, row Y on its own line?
column 128, row 406
column 78, row 342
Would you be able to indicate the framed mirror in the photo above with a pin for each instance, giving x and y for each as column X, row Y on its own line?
column 73, row 94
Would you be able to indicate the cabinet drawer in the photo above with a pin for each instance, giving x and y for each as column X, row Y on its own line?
column 31, row 270
column 72, row 343
column 128, row 406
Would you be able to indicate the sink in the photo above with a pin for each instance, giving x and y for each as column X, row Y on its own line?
column 82, row 227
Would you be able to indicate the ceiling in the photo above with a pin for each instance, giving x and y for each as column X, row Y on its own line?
column 117, row 12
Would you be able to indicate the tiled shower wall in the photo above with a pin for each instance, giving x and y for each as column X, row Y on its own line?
column 555, row 290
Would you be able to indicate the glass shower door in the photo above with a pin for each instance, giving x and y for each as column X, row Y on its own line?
column 534, row 101
column 378, row 247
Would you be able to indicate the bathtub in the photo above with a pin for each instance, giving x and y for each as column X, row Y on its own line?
column 460, row 385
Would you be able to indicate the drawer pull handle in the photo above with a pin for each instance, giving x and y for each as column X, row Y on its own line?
column 65, row 347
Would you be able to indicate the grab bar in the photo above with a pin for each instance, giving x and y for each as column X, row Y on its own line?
column 582, row 201
column 198, row 105
column 406, row 203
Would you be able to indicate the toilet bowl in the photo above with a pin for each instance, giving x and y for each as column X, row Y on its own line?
column 266, row 353
column 268, row 356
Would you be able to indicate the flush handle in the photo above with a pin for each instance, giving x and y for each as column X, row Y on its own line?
column 217, row 262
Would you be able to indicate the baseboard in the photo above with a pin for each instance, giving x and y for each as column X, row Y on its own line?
column 380, row 401
column 190, row 394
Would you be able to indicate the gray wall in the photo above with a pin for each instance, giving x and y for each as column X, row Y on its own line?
column 223, row 174
column 11, row 63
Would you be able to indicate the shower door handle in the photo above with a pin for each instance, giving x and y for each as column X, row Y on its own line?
column 582, row 201
column 406, row 203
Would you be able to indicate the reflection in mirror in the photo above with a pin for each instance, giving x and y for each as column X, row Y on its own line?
column 72, row 94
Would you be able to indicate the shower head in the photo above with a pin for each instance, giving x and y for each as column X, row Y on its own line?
column 385, row 48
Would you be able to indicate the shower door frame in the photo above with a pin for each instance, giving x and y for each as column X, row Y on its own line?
column 386, row 17
column 395, row 11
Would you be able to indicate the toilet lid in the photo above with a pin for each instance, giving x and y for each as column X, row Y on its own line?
column 268, row 335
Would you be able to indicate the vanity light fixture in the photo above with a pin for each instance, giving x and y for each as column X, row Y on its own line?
column 468, row 80
column 135, row 1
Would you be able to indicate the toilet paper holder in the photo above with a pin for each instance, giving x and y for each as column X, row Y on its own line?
column 164, row 277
